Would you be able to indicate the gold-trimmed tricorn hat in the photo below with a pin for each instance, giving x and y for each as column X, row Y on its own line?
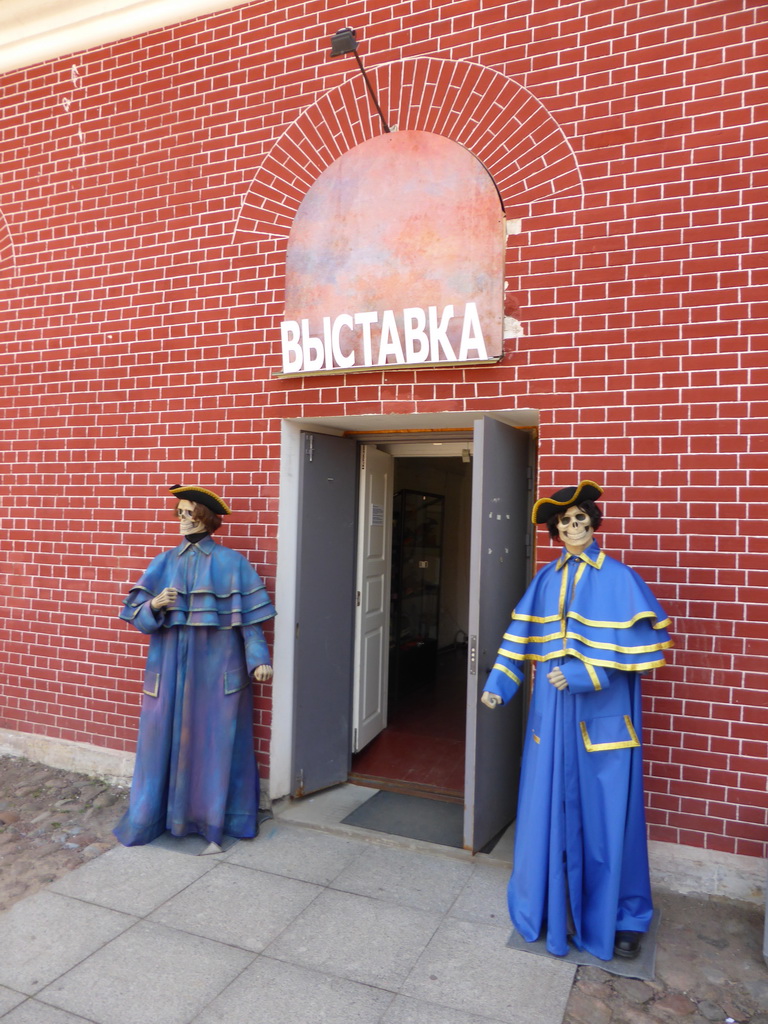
column 544, row 508
column 193, row 492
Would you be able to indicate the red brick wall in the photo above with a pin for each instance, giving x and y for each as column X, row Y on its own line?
column 139, row 317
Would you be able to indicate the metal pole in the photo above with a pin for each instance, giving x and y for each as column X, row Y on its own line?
column 384, row 124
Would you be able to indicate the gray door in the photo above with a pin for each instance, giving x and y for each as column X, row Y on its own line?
column 501, row 500
column 325, row 613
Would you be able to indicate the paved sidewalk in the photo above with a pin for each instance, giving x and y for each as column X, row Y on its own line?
column 156, row 934
column 296, row 927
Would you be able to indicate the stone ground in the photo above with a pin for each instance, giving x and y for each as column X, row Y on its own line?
column 51, row 821
column 709, row 964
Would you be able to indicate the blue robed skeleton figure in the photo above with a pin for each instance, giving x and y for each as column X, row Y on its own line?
column 202, row 605
column 592, row 626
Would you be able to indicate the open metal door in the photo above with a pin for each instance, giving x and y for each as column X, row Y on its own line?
column 325, row 612
column 374, row 545
column 501, row 499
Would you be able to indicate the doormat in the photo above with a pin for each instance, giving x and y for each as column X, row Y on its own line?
column 415, row 817
column 642, row 967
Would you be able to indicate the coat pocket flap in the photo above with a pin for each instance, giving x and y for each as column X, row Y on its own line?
column 236, row 680
column 152, row 683
column 614, row 732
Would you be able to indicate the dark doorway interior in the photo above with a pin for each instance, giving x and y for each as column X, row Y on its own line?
column 422, row 749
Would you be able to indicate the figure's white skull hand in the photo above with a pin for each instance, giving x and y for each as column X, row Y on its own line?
column 185, row 510
column 575, row 529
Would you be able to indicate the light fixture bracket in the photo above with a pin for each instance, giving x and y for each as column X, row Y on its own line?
column 345, row 41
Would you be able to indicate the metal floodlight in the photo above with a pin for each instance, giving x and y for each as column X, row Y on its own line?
column 344, row 42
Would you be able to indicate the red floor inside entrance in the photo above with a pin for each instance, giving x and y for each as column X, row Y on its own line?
column 422, row 748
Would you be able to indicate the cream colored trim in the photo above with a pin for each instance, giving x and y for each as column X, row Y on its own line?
column 151, row 691
column 33, row 31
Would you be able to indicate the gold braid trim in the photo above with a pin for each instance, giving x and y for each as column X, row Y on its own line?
column 194, row 487
column 620, row 745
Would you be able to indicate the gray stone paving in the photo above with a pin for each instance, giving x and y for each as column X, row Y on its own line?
column 264, row 933
column 380, row 936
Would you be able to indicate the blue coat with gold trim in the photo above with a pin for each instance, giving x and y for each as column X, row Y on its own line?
column 580, row 834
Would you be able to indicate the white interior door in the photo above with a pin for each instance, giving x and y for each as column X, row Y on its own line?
column 374, row 546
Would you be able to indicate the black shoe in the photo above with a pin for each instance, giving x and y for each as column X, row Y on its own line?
column 627, row 944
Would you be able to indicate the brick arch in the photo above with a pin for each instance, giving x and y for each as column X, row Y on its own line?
column 495, row 118
column 7, row 252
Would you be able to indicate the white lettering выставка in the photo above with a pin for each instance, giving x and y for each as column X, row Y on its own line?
column 424, row 339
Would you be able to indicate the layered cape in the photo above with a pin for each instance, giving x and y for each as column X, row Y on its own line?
column 549, row 623
column 195, row 765
column 227, row 591
column 580, row 835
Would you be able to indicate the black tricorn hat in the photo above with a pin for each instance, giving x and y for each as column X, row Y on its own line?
column 561, row 500
column 193, row 492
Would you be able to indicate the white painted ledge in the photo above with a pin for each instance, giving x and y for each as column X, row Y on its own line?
column 33, row 31
column 115, row 766
column 689, row 870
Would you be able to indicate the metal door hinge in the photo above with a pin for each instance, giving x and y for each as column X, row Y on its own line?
column 473, row 655
column 309, row 447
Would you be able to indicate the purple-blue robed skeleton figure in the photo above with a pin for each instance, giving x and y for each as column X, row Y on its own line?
column 202, row 606
column 592, row 626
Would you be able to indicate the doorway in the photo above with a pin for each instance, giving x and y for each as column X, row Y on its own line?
column 330, row 634
column 421, row 749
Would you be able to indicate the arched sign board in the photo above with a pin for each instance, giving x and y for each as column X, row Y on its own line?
column 396, row 259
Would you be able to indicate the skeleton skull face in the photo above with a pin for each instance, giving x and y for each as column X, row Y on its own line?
column 575, row 529
column 185, row 510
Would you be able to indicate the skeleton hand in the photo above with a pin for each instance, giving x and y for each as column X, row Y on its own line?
column 262, row 673
column 164, row 598
column 491, row 700
column 557, row 679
